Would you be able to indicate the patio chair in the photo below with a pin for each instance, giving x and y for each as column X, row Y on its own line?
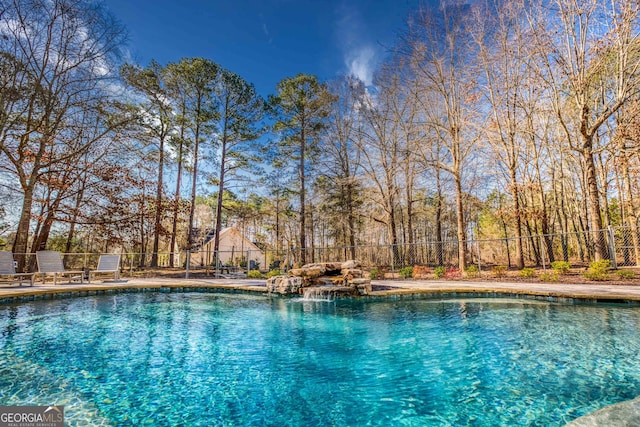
column 8, row 270
column 109, row 264
column 50, row 262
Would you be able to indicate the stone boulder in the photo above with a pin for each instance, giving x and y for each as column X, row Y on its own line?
column 351, row 273
column 332, row 268
column 327, row 268
column 285, row 285
column 362, row 285
column 310, row 271
column 350, row 264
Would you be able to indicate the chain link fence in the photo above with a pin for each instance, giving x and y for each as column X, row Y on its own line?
column 621, row 245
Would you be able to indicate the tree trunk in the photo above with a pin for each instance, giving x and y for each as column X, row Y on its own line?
column 143, row 242
column 630, row 207
column 312, row 245
column 218, row 226
column 351, row 220
column 439, row 243
column 74, row 217
column 194, row 177
column 176, row 208
column 594, row 198
column 40, row 241
column 159, row 209
column 462, row 244
column 518, row 226
column 278, row 245
column 393, row 233
column 22, row 235
column 410, row 246
column 301, row 174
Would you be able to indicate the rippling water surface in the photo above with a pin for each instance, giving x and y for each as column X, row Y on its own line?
column 200, row 359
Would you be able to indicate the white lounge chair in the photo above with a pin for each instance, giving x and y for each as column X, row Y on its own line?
column 8, row 270
column 109, row 264
column 50, row 262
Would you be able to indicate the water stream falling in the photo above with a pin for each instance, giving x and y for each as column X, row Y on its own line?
column 318, row 293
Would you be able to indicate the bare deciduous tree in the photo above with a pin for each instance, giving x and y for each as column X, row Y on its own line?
column 58, row 52
column 438, row 48
column 591, row 69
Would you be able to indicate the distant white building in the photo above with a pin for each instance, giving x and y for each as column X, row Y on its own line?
column 234, row 250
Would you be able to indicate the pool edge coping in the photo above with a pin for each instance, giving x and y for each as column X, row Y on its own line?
column 395, row 290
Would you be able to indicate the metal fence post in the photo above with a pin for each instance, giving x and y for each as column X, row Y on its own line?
column 393, row 260
column 186, row 273
column 544, row 267
column 612, row 248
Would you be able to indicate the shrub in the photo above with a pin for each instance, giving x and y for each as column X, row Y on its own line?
column 254, row 274
column 452, row 273
column 275, row 265
column 527, row 273
column 561, row 267
column 472, row 271
column 549, row 277
column 420, row 271
column 406, row 272
column 439, row 272
column 499, row 271
column 374, row 274
column 273, row 273
column 626, row 274
column 598, row 270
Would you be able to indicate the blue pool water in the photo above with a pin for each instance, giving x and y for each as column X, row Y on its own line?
column 199, row 359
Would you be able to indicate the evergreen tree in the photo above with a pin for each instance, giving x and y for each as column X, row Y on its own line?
column 241, row 110
column 300, row 106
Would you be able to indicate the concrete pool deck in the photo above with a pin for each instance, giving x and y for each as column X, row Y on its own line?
column 382, row 288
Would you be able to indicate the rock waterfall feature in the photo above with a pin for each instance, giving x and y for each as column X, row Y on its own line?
column 325, row 278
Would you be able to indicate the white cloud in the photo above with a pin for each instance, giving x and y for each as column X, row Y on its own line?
column 361, row 56
column 265, row 29
column 361, row 63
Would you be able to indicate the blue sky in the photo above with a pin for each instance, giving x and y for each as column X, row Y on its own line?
column 265, row 41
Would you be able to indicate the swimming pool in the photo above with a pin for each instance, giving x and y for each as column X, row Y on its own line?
column 207, row 359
